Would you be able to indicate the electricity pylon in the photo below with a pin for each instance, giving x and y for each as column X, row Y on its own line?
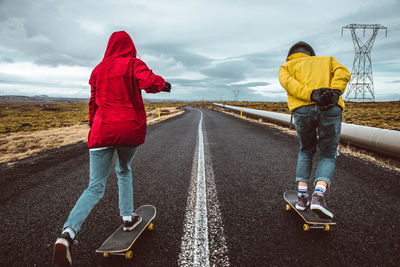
column 361, row 85
column 236, row 94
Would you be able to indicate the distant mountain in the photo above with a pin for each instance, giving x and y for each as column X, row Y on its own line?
column 39, row 98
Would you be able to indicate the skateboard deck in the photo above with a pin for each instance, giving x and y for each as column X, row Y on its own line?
column 311, row 219
column 120, row 242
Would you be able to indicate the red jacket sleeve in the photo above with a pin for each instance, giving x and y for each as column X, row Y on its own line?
column 146, row 79
column 92, row 101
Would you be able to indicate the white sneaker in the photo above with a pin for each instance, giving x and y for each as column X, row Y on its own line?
column 62, row 255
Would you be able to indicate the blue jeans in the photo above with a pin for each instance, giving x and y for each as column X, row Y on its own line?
column 100, row 167
column 310, row 121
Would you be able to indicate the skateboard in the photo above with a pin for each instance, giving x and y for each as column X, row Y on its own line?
column 120, row 242
column 311, row 219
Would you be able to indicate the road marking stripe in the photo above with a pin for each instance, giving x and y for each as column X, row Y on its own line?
column 201, row 252
column 195, row 240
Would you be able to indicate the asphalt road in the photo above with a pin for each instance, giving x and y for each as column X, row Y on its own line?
column 219, row 202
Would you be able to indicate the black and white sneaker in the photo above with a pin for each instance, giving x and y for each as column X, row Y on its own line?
column 130, row 225
column 62, row 255
column 302, row 202
column 318, row 206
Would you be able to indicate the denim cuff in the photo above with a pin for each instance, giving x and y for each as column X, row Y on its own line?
column 324, row 179
column 301, row 179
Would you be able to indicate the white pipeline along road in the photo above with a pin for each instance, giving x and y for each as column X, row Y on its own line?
column 371, row 138
column 217, row 183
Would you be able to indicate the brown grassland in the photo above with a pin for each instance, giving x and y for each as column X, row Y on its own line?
column 384, row 115
column 27, row 116
column 29, row 128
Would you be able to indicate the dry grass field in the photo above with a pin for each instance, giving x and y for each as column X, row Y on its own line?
column 384, row 115
column 28, row 128
column 28, row 116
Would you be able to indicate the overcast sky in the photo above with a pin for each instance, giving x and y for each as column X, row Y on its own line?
column 205, row 48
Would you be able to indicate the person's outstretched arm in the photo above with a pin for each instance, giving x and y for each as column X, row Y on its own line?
column 147, row 80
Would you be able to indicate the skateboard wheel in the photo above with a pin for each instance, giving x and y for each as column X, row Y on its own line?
column 288, row 207
column 129, row 255
column 327, row 228
column 306, row 227
column 150, row 226
column 106, row 255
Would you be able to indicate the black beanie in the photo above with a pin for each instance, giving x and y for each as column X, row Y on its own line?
column 301, row 47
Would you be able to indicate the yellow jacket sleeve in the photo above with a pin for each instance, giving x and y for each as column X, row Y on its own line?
column 292, row 86
column 340, row 76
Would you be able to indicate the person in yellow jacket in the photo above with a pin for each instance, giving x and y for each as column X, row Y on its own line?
column 314, row 85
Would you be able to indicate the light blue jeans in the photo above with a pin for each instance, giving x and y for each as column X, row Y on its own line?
column 100, row 167
column 310, row 121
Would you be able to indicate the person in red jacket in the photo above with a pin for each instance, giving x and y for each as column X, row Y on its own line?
column 117, row 121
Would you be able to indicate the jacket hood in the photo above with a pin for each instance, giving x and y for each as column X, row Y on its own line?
column 120, row 44
column 296, row 55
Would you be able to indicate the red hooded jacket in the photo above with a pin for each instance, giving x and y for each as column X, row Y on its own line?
column 116, row 112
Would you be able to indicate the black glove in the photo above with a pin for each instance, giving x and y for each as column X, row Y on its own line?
column 318, row 93
column 329, row 99
column 167, row 87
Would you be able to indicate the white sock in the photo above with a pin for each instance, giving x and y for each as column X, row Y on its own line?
column 127, row 218
column 320, row 190
column 70, row 231
column 302, row 190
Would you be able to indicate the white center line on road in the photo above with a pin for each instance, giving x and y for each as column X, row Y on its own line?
column 201, row 252
column 195, row 250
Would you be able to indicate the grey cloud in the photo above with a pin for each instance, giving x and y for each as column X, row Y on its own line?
column 46, row 38
column 178, row 51
column 253, row 84
column 227, row 70
column 219, row 89
column 395, row 81
column 266, row 59
column 6, row 60
column 264, row 64
column 16, row 79
column 187, row 82
column 49, row 33
column 55, row 59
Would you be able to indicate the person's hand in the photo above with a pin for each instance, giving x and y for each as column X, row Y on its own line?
column 335, row 95
column 329, row 99
column 167, row 87
column 317, row 94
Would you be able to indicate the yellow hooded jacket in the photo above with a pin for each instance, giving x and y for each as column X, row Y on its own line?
column 302, row 74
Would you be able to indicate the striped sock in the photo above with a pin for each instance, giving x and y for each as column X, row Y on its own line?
column 320, row 190
column 302, row 190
